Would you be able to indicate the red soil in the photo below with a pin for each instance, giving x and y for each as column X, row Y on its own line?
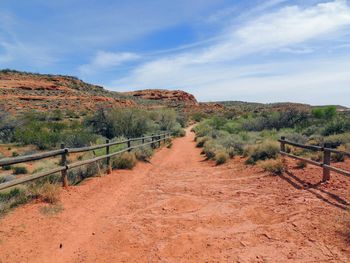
column 180, row 208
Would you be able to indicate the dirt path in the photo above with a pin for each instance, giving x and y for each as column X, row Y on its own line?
column 180, row 208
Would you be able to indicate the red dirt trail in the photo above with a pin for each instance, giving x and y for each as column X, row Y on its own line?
column 181, row 208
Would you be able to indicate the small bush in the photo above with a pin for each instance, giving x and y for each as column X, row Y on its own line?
column 201, row 141
column 301, row 164
column 209, row 149
column 47, row 192
column 231, row 152
column 144, row 153
column 317, row 157
column 125, row 161
column 12, row 198
column 276, row 166
column 221, row 157
column 15, row 154
column 263, row 151
column 7, row 167
column 7, row 178
column 169, row 145
column 179, row 133
column 20, row 170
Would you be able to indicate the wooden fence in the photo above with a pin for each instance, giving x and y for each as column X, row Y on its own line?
column 153, row 140
column 325, row 164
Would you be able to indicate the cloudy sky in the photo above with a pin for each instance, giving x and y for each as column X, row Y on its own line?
column 265, row 51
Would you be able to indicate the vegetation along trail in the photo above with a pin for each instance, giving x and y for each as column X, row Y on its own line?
column 181, row 208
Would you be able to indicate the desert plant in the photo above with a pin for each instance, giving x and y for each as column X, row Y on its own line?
column 47, row 192
column 20, row 170
column 263, row 151
column 209, row 149
column 144, row 153
column 274, row 166
column 221, row 157
column 12, row 198
column 201, row 140
column 126, row 160
column 7, row 167
column 7, row 178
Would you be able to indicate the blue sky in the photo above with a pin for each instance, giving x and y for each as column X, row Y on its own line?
column 264, row 51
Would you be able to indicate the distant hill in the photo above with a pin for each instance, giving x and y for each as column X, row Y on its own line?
column 279, row 106
column 23, row 91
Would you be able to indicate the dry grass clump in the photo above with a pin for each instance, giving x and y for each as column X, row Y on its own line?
column 13, row 197
column 126, row 160
column 144, row 153
column 47, row 192
column 20, row 170
column 221, row 157
column 209, row 149
column 263, row 151
column 201, row 141
column 274, row 166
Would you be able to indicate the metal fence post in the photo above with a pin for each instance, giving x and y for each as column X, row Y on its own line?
column 326, row 161
column 64, row 163
column 109, row 170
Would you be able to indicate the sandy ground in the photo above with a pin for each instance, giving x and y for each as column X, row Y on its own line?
column 181, row 208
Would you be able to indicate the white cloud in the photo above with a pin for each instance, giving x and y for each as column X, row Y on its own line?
column 217, row 66
column 104, row 60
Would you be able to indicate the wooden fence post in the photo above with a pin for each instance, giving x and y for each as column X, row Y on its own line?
column 152, row 144
column 109, row 170
column 143, row 139
column 64, row 163
column 129, row 145
column 326, row 161
column 283, row 144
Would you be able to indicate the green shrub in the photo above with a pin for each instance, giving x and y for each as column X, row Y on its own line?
column 231, row 152
column 209, row 149
column 126, row 160
column 144, row 153
column 201, row 141
column 20, row 170
column 339, row 157
column 7, row 167
column 221, row 157
column 274, row 166
column 263, row 151
column 15, row 154
column 12, row 198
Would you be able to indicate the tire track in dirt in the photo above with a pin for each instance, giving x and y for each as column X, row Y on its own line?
column 180, row 208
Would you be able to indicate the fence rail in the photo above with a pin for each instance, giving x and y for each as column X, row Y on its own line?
column 325, row 164
column 63, row 152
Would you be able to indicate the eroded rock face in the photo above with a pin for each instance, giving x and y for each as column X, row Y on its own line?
column 25, row 91
column 21, row 91
column 170, row 96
